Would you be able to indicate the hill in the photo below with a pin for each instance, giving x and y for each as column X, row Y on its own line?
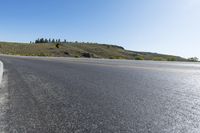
column 88, row 50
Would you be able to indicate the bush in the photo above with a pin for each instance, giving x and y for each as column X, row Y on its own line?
column 139, row 58
column 87, row 55
column 66, row 53
column 76, row 56
column 57, row 45
column 116, row 57
column 171, row 59
column 158, row 59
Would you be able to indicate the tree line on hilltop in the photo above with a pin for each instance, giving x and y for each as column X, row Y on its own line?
column 45, row 40
column 59, row 41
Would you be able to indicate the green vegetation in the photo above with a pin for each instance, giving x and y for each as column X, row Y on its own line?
column 77, row 49
column 171, row 59
column 159, row 59
column 139, row 57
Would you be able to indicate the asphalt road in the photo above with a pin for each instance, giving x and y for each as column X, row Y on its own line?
column 63, row 95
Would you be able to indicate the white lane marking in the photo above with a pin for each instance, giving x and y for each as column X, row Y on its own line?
column 3, row 103
column 1, row 71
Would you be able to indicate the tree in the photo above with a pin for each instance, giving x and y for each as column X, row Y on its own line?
column 49, row 40
column 53, row 41
column 37, row 41
column 46, row 41
column 41, row 40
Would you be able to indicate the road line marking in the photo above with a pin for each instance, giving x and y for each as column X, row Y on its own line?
column 1, row 71
column 3, row 103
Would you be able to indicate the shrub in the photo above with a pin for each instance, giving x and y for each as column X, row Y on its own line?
column 66, row 53
column 57, row 45
column 171, row 59
column 76, row 56
column 158, row 59
column 87, row 55
column 139, row 58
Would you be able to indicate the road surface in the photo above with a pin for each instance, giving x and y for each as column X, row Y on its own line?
column 63, row 95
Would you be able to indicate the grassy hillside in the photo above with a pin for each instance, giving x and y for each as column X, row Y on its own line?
column 91, row 50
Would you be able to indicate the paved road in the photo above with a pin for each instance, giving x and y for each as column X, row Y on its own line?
column 62, row 95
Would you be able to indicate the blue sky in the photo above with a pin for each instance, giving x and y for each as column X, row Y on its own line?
column 163, row 26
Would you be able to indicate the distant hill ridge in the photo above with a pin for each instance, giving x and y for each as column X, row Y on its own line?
column 81, row 49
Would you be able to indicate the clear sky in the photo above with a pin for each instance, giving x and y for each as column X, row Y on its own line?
column 163, row 26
